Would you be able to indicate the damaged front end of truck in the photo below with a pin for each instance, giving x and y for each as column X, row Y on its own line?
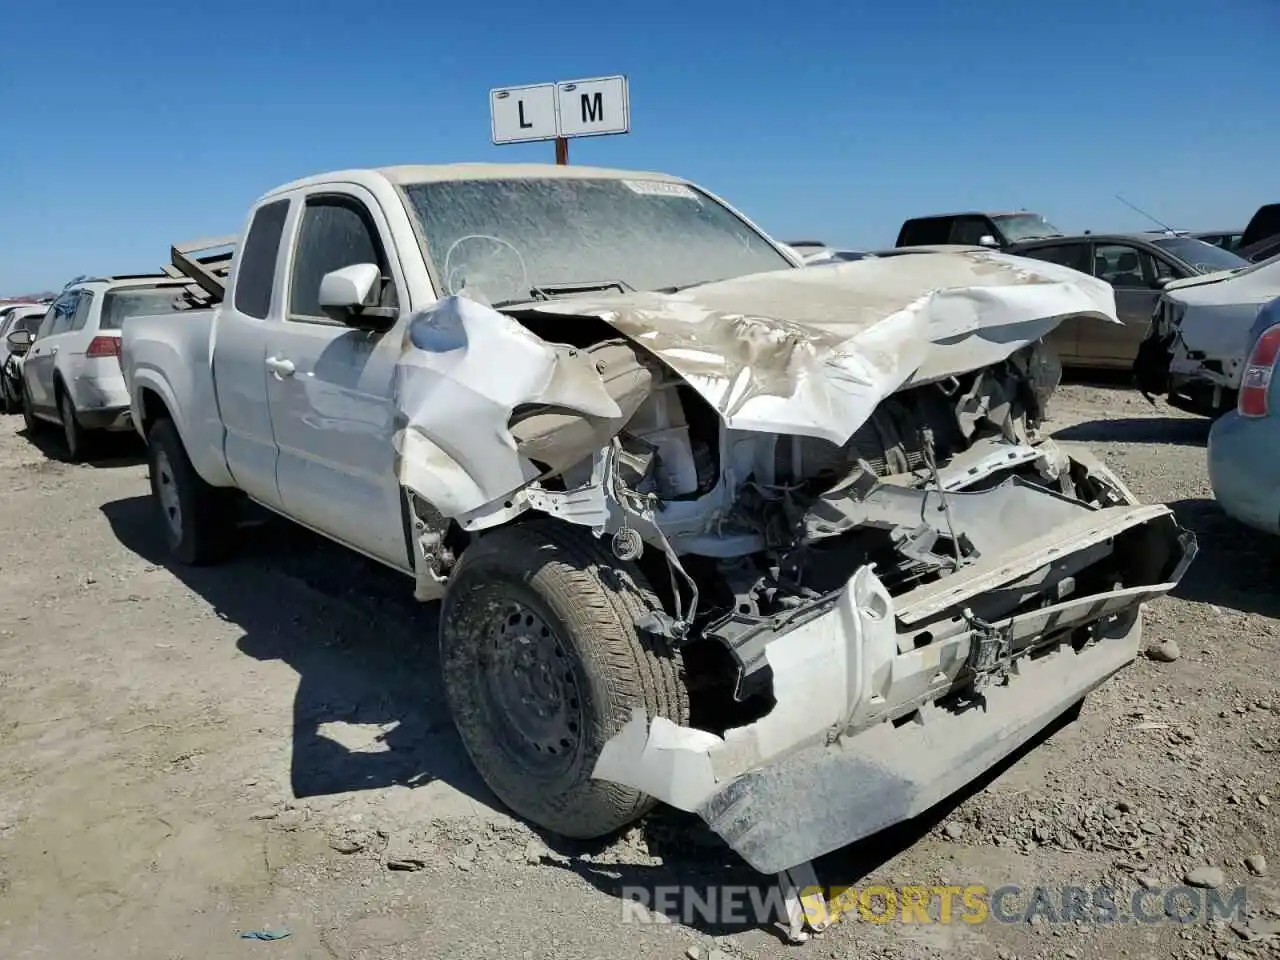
column 881, row 577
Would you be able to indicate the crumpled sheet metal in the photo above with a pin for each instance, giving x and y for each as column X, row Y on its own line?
column 813, row 351
column 825, row 668
column 1218, row 316
column 808, row 352
column 463, row 368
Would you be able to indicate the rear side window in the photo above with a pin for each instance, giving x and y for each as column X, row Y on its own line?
column 919, row 233
column 120, row 305
column 256, row 272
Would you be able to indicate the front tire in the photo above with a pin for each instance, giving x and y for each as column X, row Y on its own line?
column 543, row 664
column 198, row 519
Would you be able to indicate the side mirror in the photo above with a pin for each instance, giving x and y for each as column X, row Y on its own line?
column 987, row 240
column 345, row 296
column 1159, row 283
column 20, row 340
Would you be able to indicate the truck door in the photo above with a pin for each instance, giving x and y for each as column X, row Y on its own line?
column 240, row 352
column 330, row 386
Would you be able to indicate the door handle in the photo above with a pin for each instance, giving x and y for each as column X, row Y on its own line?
column 280, row 367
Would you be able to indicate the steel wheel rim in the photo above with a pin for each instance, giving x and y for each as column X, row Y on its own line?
column 167, row 494
column 530, row 688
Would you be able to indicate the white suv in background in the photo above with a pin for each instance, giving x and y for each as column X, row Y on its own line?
column 71, row 373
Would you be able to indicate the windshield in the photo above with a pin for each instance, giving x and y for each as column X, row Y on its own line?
column 119, row 305
column 505, row 241
column 1025, row 226
column 1203, row 257
column 30, row 321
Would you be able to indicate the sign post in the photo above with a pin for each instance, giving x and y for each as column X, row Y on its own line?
column 595, row 107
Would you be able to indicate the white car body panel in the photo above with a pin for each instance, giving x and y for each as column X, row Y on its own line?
column 1213, row 318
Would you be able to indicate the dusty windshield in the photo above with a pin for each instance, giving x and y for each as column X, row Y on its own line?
column 505, row 241
column 1026, row 226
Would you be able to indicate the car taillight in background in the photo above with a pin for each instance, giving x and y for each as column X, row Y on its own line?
column 1256, row 380
column 103, row 347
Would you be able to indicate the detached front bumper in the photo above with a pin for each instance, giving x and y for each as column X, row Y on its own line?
column 886, row 705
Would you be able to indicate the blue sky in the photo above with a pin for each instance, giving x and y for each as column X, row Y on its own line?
column 139, row 127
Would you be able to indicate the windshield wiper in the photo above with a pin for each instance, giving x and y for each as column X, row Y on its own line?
column 549, row 291
column 682, row 286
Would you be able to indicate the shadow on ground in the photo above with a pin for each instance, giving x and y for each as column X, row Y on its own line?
column 365, row 653
column 364, row 650
column 105, row 451
column 1179, row 431
column 1236, row 566
column 1084, row 377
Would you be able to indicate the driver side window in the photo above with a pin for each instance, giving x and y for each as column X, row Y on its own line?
column 335, row 232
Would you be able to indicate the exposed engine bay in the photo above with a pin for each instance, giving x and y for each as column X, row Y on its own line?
column 756, row 534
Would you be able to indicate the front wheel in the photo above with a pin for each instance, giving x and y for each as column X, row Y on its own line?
column 543, row 664
column 198, row 519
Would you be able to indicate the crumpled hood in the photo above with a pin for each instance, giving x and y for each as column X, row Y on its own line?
column 1200, row 279
column 812, row 351
column 1253, row 285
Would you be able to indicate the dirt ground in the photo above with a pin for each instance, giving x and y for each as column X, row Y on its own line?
column 186, row 756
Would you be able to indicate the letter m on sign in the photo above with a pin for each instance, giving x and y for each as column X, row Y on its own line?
column 592, row 107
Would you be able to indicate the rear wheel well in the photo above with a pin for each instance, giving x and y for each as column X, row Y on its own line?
column 153, row 409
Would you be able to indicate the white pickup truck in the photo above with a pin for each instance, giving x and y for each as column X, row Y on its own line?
column 780, row 545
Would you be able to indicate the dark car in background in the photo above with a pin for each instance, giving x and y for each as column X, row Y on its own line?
column 1226, row 239
column 1261, row 238
column 1139, row 266
column 995, row 230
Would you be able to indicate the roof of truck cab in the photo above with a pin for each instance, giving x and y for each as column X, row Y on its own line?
column 426, row 173
column 973, row 213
